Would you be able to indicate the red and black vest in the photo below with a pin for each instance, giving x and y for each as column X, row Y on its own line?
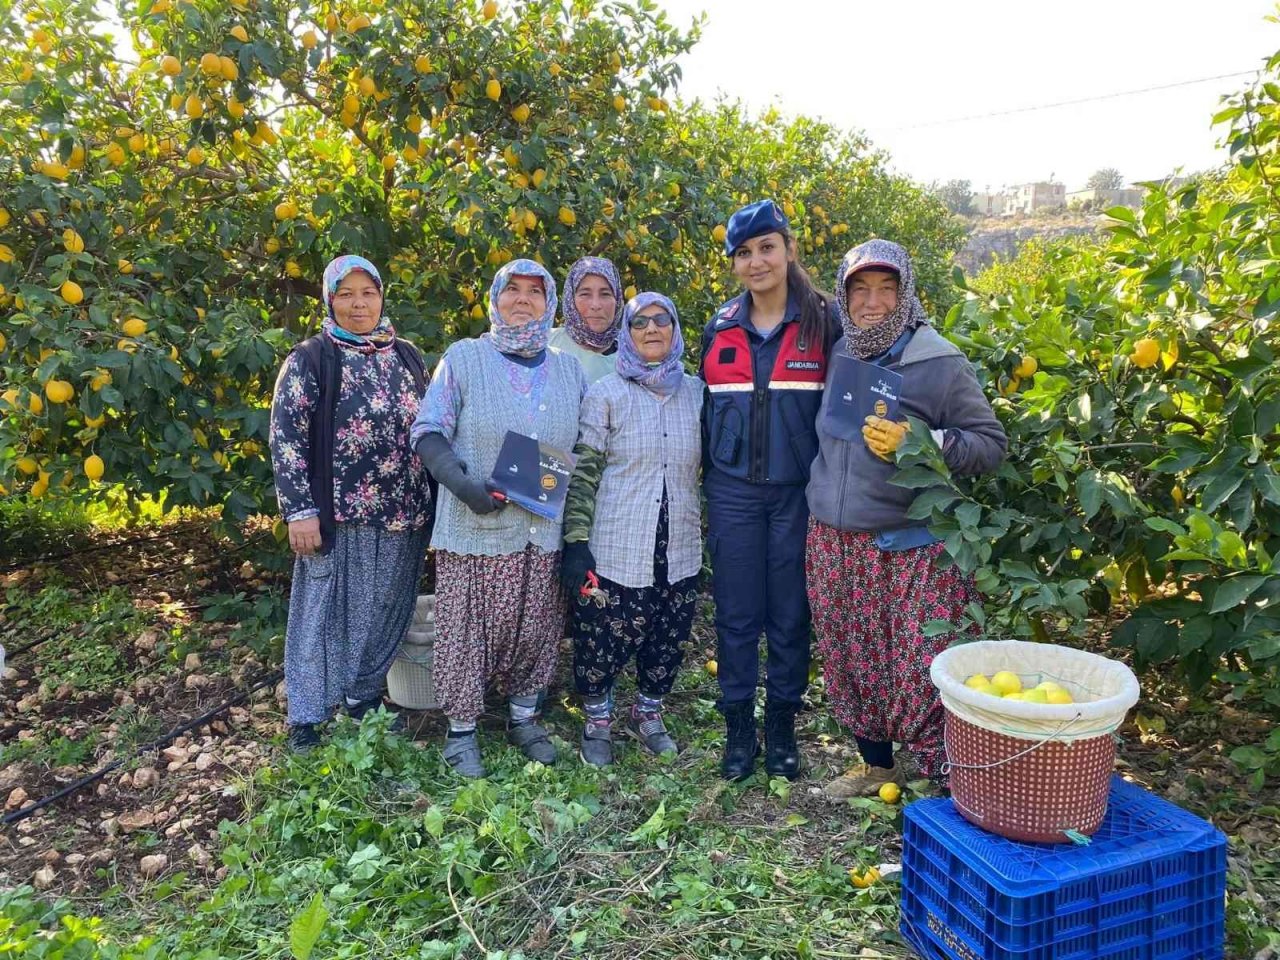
column 759, row 422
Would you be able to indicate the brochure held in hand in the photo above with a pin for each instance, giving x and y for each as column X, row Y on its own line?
column 533, row 475
column 856, row 390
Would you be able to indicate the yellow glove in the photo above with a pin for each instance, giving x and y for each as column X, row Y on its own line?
column 883, row 436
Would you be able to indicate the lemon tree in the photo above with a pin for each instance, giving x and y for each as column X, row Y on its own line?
column 177, row 172
column 1138, row 382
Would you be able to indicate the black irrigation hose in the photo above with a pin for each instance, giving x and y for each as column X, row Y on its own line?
column 50, row 557
column 158, row 743
column 11, row 655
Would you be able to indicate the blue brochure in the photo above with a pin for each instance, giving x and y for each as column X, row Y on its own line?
column 856, row 390
column 533, row 475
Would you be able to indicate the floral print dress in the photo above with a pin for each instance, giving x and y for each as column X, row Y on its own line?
column 377, row 479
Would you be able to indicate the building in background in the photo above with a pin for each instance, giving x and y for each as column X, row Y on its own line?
column 1097, row 198
column 1031, row 197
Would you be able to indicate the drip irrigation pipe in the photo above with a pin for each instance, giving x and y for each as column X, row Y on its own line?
column 157, row 744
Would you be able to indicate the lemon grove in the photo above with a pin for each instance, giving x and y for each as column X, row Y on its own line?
column 177, row 173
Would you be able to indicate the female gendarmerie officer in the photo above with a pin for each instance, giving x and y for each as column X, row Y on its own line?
column 764, row 360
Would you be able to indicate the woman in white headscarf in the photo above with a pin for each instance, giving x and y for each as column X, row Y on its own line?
column 499, row 608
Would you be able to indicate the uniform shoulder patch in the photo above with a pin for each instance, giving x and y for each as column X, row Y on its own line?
column 727, row 313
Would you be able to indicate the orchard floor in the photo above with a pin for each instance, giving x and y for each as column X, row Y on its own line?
column 216, row 845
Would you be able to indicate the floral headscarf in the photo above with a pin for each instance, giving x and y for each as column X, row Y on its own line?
column 531, row 339
column 662, row 377
column 381, row 337
column 577, row 327
column 907, row 315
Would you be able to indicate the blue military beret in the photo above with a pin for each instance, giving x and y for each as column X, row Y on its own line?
column 763, row 216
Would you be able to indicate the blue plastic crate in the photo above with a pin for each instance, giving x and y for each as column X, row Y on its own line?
column 1150, row 885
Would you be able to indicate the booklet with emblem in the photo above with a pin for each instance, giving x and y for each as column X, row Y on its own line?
column 856, row 390
column 533, row 475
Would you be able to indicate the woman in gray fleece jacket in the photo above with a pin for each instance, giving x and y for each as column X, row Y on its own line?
column 873, row 575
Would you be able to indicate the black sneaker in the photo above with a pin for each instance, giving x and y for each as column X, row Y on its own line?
column 303, row 738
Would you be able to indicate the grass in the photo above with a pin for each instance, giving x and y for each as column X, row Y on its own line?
column 370, row 847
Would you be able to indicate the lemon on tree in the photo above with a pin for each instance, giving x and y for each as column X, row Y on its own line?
column 94, row 467
column 1145, row 353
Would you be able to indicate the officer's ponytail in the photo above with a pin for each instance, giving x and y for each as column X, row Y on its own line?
column 814, row 325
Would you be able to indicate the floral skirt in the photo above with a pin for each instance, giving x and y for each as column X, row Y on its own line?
column 499, row 622
column 869, row 611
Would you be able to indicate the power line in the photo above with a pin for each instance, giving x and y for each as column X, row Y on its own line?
column 1071, row 103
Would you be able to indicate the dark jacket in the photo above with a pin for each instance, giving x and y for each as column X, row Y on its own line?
column 849, row 485
column 763, row 395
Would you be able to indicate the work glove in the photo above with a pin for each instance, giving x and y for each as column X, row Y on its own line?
column 442, row 463
column 883, row 436
column 575, row 563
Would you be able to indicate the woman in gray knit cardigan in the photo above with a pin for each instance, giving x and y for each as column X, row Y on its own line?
column 500, row 611
column 874, row 578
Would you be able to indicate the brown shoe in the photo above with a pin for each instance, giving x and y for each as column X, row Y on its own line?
column 861, row 780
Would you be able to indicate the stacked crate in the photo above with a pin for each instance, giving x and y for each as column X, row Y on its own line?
column 1149, row 886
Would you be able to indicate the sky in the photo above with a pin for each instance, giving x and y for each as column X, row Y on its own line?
column 900, row 71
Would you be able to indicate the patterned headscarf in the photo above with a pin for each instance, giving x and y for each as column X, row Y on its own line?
column 531, row 339
column 907, row 315
column 381, row 337
column 662, row 377
column 579, row 332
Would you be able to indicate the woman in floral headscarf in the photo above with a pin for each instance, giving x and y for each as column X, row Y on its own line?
column 874, row 573
column 633, row 519
column 499, row 608
column 592, row 308
column 355, row 497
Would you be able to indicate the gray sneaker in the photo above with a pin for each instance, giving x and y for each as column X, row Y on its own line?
column 649, row 729
column 534, row 742
column 463, row 755
column 597, row 744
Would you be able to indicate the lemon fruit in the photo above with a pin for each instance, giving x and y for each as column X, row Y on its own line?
column 59, row 391
column 977, row 681
column 889, row 792
column 493, row 90
column 713, row 668
column 71, row 292
column 134, row 327
column 1006, row 682
column 28, row 466
column 1145, row 353
column 94, row 467
column 1026, row 368
column 1059, row 696
column 170, row 66
column 1014, row 696
column 1036, row 695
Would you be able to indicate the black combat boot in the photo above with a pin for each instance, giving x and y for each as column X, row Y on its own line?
column 781, row 756
column 741, row 746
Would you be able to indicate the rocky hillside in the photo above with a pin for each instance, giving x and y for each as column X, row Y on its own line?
column 1002, row 237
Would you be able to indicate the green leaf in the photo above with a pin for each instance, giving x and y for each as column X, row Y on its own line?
column 306, row 927
column 1089, row 492
column 1233, row 592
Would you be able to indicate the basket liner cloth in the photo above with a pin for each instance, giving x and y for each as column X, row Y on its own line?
column 1104, row 690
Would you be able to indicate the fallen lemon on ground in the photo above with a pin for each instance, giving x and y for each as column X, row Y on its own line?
column 713, row 668
column 889, row 792
column 864, row 880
